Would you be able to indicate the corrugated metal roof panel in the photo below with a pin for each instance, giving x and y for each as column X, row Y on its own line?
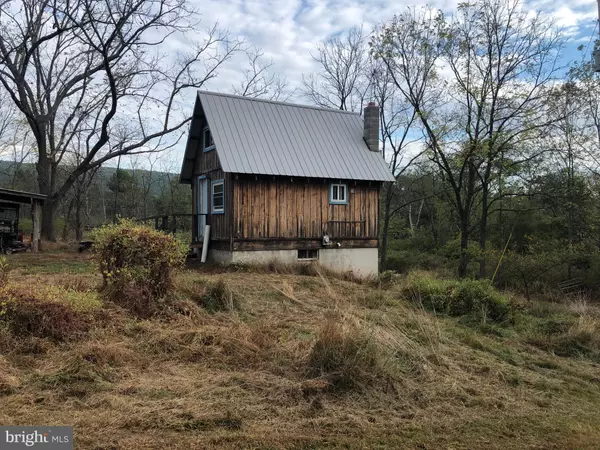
column 263, row 137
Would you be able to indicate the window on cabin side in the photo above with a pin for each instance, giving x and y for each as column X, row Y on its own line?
column 208, row 142
column 308, row 254
column 218, row 197
column 338, row 194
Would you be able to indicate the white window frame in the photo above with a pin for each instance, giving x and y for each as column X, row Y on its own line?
column 338, row 201
column 214, row 210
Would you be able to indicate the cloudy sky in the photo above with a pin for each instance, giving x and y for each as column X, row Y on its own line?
column 288, row 30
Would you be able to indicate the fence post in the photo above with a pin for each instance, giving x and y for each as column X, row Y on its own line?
column 36, row 213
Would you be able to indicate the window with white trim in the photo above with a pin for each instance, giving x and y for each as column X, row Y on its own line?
column 207, row 140
column 309, row 254
column 338, row 194
column 218, row 197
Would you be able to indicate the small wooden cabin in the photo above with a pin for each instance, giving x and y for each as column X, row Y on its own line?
column 283, row 181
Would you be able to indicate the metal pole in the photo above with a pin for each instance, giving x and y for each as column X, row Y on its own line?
column 205, row 244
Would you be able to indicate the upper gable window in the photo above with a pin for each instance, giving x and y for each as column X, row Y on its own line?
column 338, row 194
column 207, row 140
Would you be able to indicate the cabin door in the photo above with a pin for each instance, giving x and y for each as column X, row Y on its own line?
column 202, row 205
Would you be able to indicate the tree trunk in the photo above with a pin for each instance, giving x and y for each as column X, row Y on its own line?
column 483, row 233
column 464, row 211
column 44, row 178
column 464, row 248
column 571, row 199
column 386, row 225
column 48, row 212
column 434, row 228
column 65, row 231
column 78, row 228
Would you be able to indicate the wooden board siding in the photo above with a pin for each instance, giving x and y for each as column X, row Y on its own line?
column 293, row 244
column 219, row 223
column 207, row 164
column 278, row 208
column 206, row 161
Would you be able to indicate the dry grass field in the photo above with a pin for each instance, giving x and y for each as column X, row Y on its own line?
column 243, row 359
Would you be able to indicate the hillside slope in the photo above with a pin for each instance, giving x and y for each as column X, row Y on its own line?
column 302, row 362
column 26, row 178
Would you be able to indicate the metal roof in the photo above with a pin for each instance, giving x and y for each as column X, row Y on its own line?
column 264, row 137
column 20, row 196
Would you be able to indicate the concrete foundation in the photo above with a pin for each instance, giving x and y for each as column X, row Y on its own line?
column 362, row 262
column 219, row 256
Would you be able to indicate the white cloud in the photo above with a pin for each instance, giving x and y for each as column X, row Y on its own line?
column 288, row 30
column 567, row 17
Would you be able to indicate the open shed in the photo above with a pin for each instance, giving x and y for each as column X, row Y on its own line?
column 36, row 201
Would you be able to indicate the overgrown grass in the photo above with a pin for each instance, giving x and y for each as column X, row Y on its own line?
column 218, row 296
column 476, row 299
column 564, row 334
column 48, row 311
column 309, row 362
column 346, row 355
column 49, row 265
column 313, row 269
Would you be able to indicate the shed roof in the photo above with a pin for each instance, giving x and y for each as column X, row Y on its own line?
column 20, row 196
column 264, row 137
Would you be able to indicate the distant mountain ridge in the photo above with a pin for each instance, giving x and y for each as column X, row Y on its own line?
column 26, row 180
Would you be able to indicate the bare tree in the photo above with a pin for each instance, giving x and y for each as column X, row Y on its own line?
column 585, row 83
column 6, row 116
column 501, row 59
column 566, row 136
column 260, row 81
column 342, row 80
column 16, row 143
column 75, row 200
column 107, row 69
column 397, row 120
column 142, row 167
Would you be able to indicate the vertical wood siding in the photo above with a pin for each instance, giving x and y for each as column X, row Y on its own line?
column 279, row 208
column 208, row 164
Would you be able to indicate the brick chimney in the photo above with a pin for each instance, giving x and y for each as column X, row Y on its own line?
column 371, row 133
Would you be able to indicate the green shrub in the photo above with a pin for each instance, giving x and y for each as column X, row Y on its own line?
column 474, row 298
column 405, row 261
column 138, row 261
column 432, row 292
column 398, row 263
column 479, row 298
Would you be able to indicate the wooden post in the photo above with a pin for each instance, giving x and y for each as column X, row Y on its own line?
column 36, row 218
